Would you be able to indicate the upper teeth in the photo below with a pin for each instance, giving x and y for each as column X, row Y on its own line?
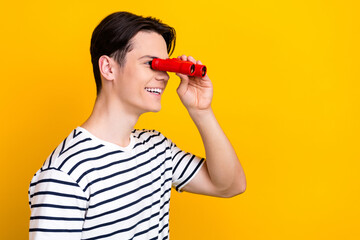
column 154, row 90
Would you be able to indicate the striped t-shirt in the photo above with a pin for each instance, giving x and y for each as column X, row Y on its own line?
column 89, row 188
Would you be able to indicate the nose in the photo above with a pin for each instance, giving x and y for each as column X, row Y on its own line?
column 162, row 76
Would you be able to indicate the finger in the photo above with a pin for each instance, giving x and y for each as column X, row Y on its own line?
column 191, row 59
column 184, row 82
column 183, row 57
column 183, row 77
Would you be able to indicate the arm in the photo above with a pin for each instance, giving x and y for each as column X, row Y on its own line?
column 222, row 174
column 58, row 207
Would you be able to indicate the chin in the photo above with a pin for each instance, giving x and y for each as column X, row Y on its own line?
column 153, row 109
column 156, row 110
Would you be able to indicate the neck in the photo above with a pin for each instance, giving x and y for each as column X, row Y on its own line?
column 110, row 121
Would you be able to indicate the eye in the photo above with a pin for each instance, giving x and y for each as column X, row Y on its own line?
column 148, row 63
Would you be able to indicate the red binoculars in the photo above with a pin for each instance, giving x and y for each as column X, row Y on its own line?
column 178, row 66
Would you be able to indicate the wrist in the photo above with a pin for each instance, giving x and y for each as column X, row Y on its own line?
column 199, row 115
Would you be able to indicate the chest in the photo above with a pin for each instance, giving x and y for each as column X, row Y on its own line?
column 137, row 180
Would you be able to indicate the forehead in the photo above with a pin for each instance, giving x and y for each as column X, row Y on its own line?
column 149, row 43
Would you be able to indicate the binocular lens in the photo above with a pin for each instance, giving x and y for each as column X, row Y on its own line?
column 203, row 72
column 192, row 69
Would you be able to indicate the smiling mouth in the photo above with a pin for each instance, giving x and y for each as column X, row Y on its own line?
column 154, row 90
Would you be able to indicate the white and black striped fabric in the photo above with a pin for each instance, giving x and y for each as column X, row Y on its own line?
column 92, row 189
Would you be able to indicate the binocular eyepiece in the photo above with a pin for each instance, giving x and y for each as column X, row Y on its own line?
column 179, row 66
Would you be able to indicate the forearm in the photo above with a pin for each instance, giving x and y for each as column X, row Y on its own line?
column 224, row 168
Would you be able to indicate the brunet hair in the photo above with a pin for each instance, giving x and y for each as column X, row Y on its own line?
column 112, row 37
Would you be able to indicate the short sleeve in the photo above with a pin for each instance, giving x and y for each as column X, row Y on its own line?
column 58, row 206
column 185, row 166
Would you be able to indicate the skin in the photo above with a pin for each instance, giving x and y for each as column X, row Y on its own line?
column 124, row 98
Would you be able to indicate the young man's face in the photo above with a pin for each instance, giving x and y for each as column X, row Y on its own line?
column 137, row 86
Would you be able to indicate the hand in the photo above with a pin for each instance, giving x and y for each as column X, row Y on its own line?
column 195, row 92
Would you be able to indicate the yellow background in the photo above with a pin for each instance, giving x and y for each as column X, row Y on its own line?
column 286, row 84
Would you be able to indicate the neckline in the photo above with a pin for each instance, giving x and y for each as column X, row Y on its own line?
column 107, row 143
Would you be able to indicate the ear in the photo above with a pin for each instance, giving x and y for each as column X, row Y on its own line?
column 106, row 66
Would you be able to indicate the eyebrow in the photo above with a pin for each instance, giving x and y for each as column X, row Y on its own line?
column 148, row 56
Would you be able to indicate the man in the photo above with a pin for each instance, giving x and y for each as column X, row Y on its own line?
column 109, row 181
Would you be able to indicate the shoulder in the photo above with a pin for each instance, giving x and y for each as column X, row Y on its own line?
column 50, row 182
column 63, row 162
column 147, row 135
column 141, row 133
column 151, row 138
column 76, row 146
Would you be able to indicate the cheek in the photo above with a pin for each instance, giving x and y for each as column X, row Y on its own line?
column 140, row 77
column 134, row 81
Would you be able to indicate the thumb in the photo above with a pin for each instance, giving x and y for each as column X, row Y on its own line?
column 184, row 82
